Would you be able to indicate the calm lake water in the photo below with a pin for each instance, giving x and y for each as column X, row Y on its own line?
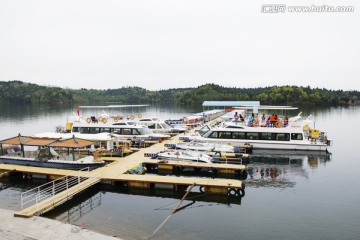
column 287, row 196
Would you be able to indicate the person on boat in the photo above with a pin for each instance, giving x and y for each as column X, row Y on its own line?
column 272, row 120
column 241, row 118
column 236, row 117
column 263, row 118
column 268, row 122
column 286, row 121
column 251, row 119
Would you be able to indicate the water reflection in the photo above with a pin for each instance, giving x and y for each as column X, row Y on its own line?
column 280, row 169
column 78, row 208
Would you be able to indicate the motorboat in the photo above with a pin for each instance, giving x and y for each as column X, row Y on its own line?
column 206, row 146
column 160, row 126
column 106, row 134
column 181, row 155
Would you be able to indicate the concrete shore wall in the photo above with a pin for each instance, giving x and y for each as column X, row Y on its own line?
column 40, row 228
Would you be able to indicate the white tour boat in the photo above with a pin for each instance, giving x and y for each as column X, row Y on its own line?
column 295, row 135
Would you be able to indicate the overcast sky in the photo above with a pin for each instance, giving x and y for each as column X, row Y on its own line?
column 171, row 44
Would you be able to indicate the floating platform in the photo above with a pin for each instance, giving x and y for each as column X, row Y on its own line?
column 114, row 173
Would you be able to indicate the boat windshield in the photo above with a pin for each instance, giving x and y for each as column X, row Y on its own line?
column 166, row 126
column 204, row 130
column 144, row 131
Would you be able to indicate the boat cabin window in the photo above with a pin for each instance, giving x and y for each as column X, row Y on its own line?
column 106, row 130
column 252, row 135
column 94, row 130
column 248, row 135
column 282, row 136
column 126, row 131
column 214, row 135
column 238, row 135
column 225, row 135
column 151, row 126
column 267, row 136
column 84, row 130
column 296, row 136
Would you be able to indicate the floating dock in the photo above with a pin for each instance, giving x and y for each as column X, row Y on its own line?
column 115, row 172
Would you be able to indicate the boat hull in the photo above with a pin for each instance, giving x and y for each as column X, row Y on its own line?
column 50, row 164
column 301, row 146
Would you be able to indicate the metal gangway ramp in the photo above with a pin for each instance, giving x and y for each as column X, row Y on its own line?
column 47, row 196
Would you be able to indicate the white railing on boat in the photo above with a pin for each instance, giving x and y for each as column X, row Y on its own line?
column 38, row 194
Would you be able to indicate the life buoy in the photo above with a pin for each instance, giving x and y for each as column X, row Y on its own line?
column 104, row 120
column 116, row 119
column 241, row 192
column 100, row 119
column 88, row 120
column 132, row 117
column 232, row 192
column 278, row 124
column 139, row 115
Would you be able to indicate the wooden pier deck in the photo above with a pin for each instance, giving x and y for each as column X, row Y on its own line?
column 116, row 172
column 57, row 199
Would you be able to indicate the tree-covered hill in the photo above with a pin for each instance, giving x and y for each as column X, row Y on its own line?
column 21, row 92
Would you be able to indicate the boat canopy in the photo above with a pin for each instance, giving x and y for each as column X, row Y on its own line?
column 47, row 142
column 29, row 141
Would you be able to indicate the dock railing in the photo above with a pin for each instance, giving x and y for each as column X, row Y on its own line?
column 38, row 194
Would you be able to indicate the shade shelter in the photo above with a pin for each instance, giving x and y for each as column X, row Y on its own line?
column 71, row 143
column 45, row 142
column 26, row 141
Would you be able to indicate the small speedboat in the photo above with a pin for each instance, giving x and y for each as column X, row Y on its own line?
column 180, row 155
column 203, row 146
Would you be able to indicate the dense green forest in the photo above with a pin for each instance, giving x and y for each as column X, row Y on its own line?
column 21, row 92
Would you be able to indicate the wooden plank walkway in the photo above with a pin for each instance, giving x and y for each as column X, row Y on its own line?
column 207, row 182
column 57, row 199
column 197, row 164
column 38, row 170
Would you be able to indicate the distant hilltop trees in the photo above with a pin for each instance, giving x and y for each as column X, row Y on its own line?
column 21, row 92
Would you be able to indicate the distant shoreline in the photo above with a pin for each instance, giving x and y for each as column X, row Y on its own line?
column 18, row 92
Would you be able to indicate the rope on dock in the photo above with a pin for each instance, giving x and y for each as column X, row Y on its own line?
column 174, row 210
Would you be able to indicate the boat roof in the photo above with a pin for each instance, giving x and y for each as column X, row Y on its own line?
column 120, row 124
column 29, row 141
column 230, row 103
column 115, row 106
column 71, row 143
column 48, row 142
column 270, row 107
